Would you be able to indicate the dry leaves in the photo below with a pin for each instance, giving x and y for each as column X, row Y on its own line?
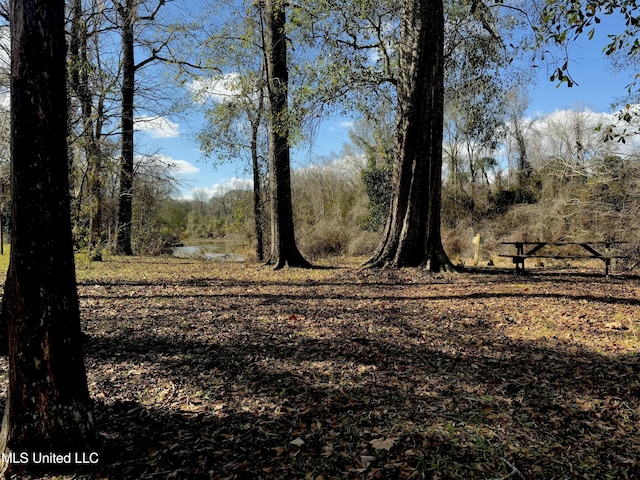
column 203, row 370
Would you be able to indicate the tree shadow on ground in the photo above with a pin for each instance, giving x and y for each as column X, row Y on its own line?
column 392, row 374
column 268, row 404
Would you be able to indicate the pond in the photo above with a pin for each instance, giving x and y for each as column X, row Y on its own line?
column 221, row 251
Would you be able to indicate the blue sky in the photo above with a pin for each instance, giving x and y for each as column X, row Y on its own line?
column 597, row 87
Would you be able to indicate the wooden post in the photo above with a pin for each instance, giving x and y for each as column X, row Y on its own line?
column 477, row 241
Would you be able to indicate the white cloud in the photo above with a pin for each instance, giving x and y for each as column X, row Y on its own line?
column 224, row 186
column 5, row 99
column 563, row 129
column 158, row 127
column 182, row 167
column 171, row 165
column 217, row 89
column 5, row 49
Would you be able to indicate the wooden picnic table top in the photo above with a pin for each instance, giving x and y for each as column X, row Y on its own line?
column 535, row 252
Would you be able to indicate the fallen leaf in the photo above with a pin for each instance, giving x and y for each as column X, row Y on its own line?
column 383, row 443
column 298, row 442
column 327, row 450
column 365, row 461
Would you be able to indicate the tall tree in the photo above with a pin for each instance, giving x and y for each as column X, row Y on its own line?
column 90, row 85
column 376, row 50
column 236, row 114
column 517, row 103
column 159, row 51
column 284, row 250
column 412, row 233
column 127, row 12
column 48, row 408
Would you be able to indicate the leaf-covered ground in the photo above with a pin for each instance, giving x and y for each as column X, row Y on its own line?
column 206, row 370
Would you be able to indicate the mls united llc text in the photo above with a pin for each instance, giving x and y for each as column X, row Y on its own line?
column 51, row 458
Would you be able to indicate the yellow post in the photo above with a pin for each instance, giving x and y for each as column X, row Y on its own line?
column 477, row 241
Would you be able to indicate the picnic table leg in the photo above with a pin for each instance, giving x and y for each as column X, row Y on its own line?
column 597, row 254
column 519, row 252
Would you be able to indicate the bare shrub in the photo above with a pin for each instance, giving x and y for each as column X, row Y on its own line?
column 363, row 244
column 323, row 239
column 457, row 242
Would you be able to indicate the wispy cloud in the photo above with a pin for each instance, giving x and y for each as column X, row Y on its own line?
column 171, row 165
column 157, row 127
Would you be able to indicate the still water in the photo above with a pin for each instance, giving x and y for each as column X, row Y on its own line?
column 218, row 251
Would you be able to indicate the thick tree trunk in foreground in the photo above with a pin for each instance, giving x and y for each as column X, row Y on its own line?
column 48, row 407
column 125, row 205
column 412, row 233
column 284, row 250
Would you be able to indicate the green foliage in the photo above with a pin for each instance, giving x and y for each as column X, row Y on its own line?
column 375, row 141
column 226, row 213
column 378, row 186
column 351, row 60
column 173, row 215
column 153, row 240
column 204, row 226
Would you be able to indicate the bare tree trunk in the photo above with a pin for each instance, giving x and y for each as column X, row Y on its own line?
column 91, row 125
column 412, row 232
column 48, row 408
column 284, row 250
column 125, row 205
column 257, row 192
column 96, row 233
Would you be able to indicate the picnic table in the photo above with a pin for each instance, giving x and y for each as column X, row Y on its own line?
column 598, row 250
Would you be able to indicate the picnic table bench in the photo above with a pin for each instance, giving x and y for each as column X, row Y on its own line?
column 598, row 250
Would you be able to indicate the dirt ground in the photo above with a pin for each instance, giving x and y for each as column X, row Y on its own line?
column 204, row 370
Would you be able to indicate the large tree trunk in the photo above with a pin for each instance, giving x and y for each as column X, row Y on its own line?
column 412, row 231
column 284, row 250
column 48, row 408
column 125, row 205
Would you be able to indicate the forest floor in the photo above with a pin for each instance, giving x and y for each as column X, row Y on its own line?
column 203, row 370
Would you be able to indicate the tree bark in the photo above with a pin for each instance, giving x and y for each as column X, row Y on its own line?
column 48, row 408
column 91, row 125
column 125, row 204
column 257, row 190
column 412, row 234
column 284, row 250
